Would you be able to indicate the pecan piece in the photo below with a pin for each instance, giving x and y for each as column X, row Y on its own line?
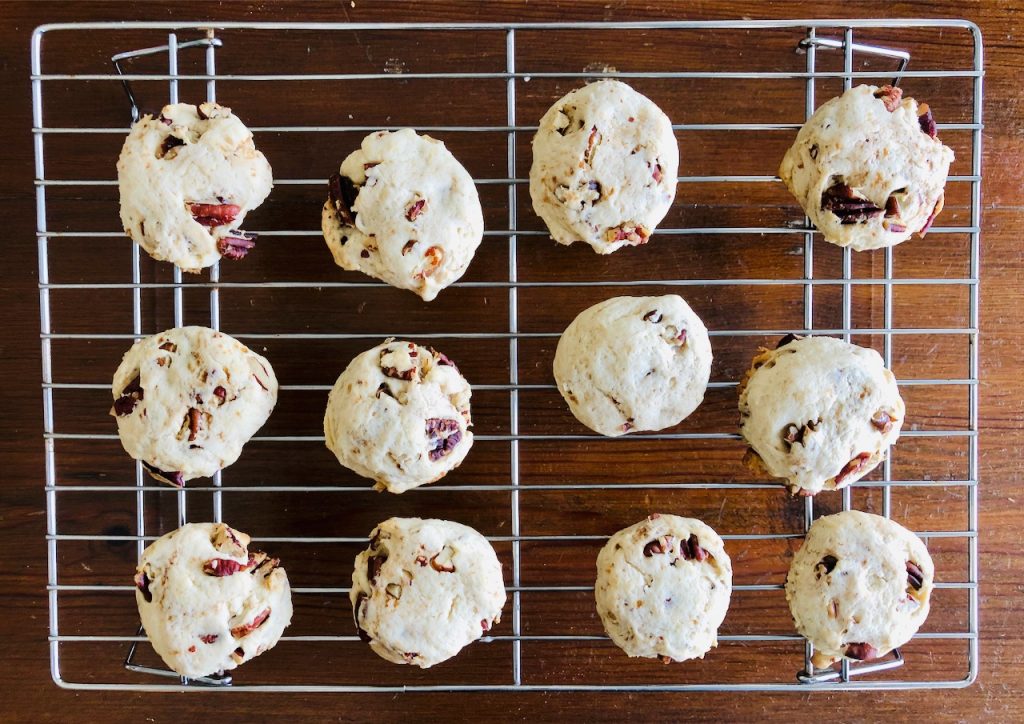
column 408, row 246
column 443, row 435
column 691, row 550
column 485, row 624
column 169, row 143
column 393, row 590
column 926, row 120
column 194, row 417
column 417, row 208
column 813, row 151
column 220, row 567
column 220, row 393
column 373, row 566
column 247, row 628
column 653, row 316
column 826, row 564
column 209, row 638
column 142, row 583
column 793, row 434
column 788, row 339
column 130, row 396
column 861, row 651
column 433, row 257
column 175, row 478
column 593, row 140
column 915, row 576
column 852, row 468
column 892, row 206
column 442, row 359
column 363, row 636
column 409, row 656
column 342, row 193
column 843, row 201
column 890, row 96
column 882, row 421
column 211, row 215
column 237, row 246
column 440, row 567
column 931, row 218
column 633, row 234
column 658, row 546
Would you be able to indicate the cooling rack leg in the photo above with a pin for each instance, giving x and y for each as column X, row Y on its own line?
column 211, row 96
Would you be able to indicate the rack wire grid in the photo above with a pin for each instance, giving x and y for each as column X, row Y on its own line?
column 547, row 499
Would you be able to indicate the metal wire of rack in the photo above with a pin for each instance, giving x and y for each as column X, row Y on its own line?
column 848, row 676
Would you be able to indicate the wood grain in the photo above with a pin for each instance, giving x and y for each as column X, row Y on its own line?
column 30, row 695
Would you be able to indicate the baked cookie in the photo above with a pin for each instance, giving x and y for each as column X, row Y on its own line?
column 818, row 412
column 859, row 586
column 868, row 168
column 187, row 179
column 605, row 163
column 634, row 363
column 663, row 587
column 209, row 603
column 399, row 415
column 424, row 589
column 404, row 211
column 187, row 400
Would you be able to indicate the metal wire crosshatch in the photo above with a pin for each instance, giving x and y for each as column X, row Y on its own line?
column 836, row 37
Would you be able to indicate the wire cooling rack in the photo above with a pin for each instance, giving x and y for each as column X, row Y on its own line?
column 101, row 512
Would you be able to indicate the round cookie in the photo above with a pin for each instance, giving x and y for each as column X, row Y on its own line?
column 663, row 587
column 187, row 400
column 399, row 415
column 868, row 168
column 633, row 363
column 605, row 163
column 404, row 211
column 818, row 412
column 187, row 179
column 859, row 586
column 209, row 603
column 424, row 589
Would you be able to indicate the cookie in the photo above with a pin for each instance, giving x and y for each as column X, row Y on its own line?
column 663, row 587
column 859, row 586
column 424, row 589
column 399, row 415
column 209, row 603
column 868, row 168
column 819, row 413
column 633, row 363
column 187, row 178
column 187, row 400
column 605, row 163
column 404, row 211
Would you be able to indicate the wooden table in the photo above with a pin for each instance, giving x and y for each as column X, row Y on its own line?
column 30, row 695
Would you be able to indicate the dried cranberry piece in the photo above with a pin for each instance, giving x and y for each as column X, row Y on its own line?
column 926, row 120
column 861, row 651
column 209, row 638
column 220, row 392
column 416, row 209
column 890, row 96
column 235, row 247
column 634, row 234
column 443, row 435
column 851, row 468
column 342, row 192
column 485, row 624
column 212, row 215
column 247, row 628
column 175, row 478
column 142, row 583
column 657, row 173
column 442, row 359
column 843, row 201
column 130, row 395
column 421, row 560
column 915, row 576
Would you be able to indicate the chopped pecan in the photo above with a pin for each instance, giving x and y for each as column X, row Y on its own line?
column 443, row 434
column 692, row 550
column 373, row 566
column 793, row 434
column 212, row 215
column 882, row 421
column 393, row 372
column 409, row 656
column 130, row 396
column 441, row 566
column 844, row 202
column 890, row 96
column 931, row 218
column 915, row 576
column 852, row 468
column 220, row 393
column 433, row 257
column 417, row 208
column 342, row 193
column 142, row 583
column 658, row 546
column 408, row 246
column 827, row 564
column 393, row 590
column 235, row 247
column 169, row 143
column 833, row 608
column 681, row 338
column 220, row 567
column 175, row 478
column 892, row 206
column 593, row 140
column 260, row 382
column 787, row 339
column 209, row 638
column 421, row 560
column 633, row 234
column 194, row 417
column 384, row 390
column 813, row 151
column 239, row 652
column 926, row 120
column 442, row 359
column 247, row 628
column 363, row 636
column 485, row 624
column 653, row 316
column 861, row 651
